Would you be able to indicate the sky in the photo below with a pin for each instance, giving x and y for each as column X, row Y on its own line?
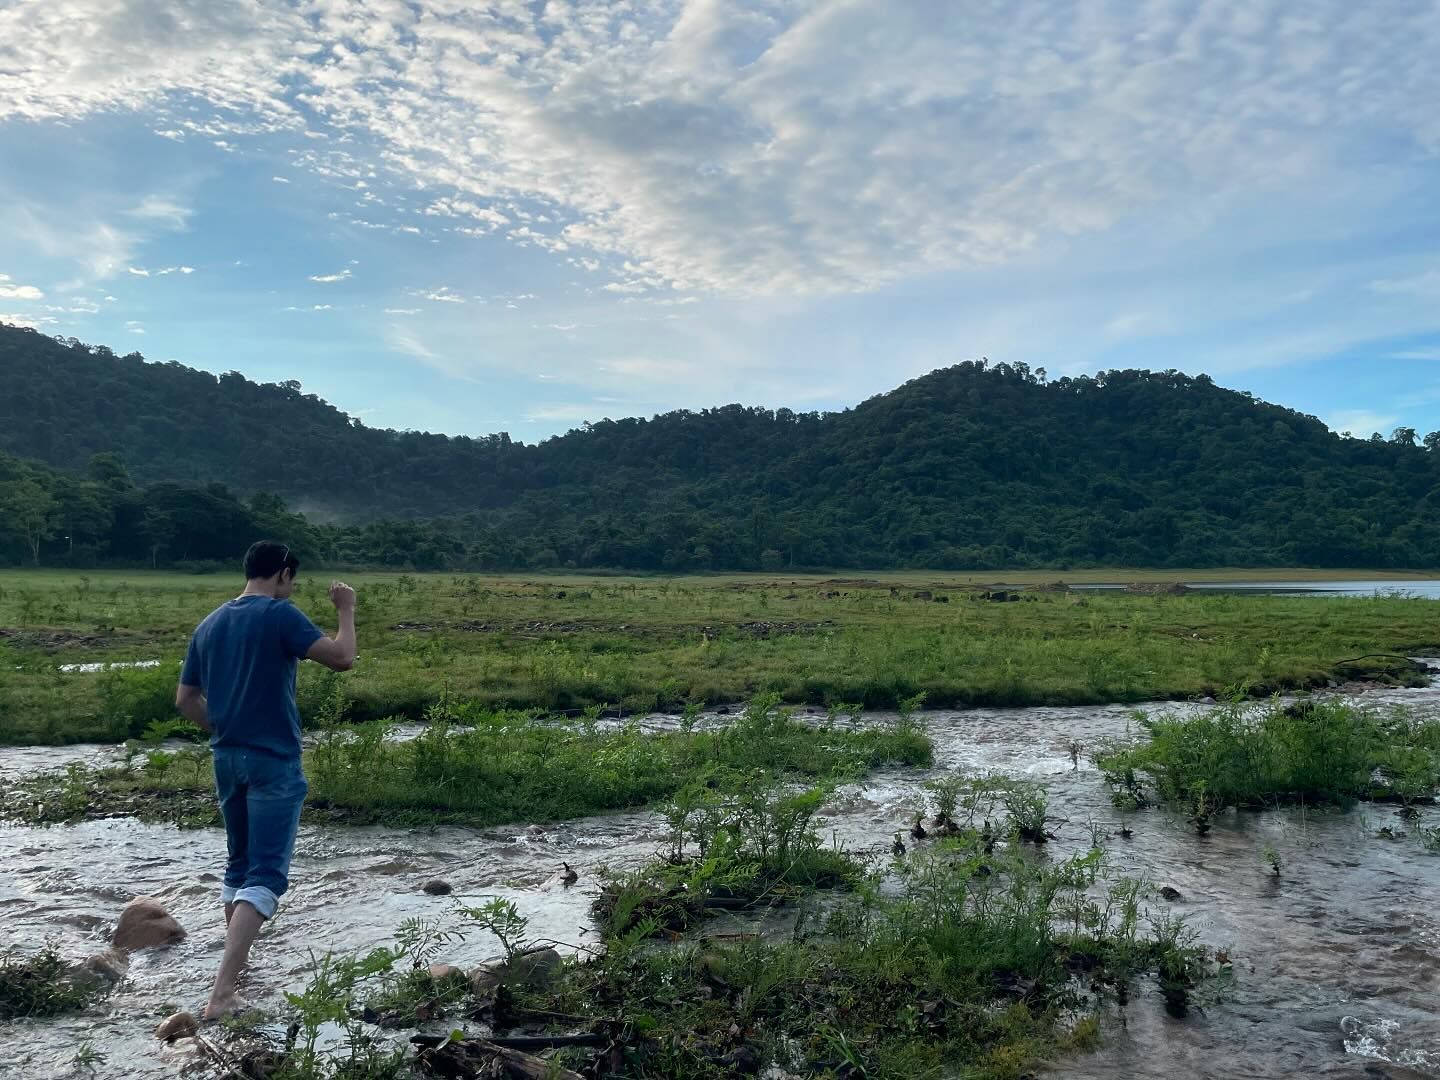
column 480, row 215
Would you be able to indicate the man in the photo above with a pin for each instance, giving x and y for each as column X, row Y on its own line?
column 238, row 685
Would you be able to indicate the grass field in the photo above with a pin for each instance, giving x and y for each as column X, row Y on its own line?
column 569, row 642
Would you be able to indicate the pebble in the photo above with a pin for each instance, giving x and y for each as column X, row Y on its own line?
column 437, row 887
column 180, row 1025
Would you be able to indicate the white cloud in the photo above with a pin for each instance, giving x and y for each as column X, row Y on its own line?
column 1425, row 285
column 280, row 179
column 771, row 146
column 162, row 211
column 161, row 271
column 572, row 412
column 134, row 327
column 18, row 292
column 29, row 322
column 402, row 311
column 654, row 370
column 444, row 295
column 1432, row 353
column 1361, row 422
column 78, row 233
column 328, row 278
column 407, row 342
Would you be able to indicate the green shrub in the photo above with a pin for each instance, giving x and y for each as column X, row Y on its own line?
column 133, row 699
column 1323, row 751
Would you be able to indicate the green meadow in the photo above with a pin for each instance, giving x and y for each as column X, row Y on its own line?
column 568, row 643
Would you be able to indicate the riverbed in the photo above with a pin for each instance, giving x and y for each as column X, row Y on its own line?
column 1335, row 963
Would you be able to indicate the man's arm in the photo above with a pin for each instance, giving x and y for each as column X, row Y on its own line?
column 338, row 653
column 190, row 700
column 190, row 694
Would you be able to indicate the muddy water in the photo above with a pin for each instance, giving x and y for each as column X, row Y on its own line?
column 1336, row 964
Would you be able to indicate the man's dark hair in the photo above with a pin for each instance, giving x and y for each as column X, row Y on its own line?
column 266, row 558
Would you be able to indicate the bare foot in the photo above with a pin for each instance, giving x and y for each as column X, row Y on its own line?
column 219, row 1008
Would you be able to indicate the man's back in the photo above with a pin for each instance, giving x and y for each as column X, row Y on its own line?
column 244, row 656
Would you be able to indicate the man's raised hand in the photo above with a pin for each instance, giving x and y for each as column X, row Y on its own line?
column 342, row 596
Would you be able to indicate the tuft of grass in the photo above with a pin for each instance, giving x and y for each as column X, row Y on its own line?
column 1321, row 751
column 43, row 984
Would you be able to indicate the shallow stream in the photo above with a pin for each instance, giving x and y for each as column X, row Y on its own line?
column 1336, row 964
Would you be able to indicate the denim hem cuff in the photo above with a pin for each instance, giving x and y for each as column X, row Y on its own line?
column 227, row 893
column 260, row 898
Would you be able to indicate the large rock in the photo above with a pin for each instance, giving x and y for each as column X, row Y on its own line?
column 538, row 969
column 145, row 924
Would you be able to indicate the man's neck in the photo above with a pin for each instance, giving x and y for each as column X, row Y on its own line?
column 259, row 587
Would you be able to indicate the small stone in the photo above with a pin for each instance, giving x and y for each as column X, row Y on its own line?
column 145, row 924
column 437, row 887
column 110, row 965
column 1171, row 894
column 483, row 979
column 180, row 1025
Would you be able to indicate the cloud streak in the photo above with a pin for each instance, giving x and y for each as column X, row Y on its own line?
column 1361, row 422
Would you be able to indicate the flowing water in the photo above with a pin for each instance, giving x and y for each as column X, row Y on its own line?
column 1336, row 964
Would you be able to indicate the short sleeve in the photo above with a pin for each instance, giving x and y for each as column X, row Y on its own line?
column 190, row 673
column 297, row 632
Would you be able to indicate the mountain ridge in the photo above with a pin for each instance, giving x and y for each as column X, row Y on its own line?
column 970, row 465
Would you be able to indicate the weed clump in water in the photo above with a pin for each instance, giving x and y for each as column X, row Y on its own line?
column 738, row 841
column 1242, row 755
column 43, row 984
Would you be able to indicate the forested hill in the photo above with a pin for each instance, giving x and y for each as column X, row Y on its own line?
column 971, row 466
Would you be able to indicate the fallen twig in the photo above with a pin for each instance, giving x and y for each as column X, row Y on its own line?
column 469, row 1059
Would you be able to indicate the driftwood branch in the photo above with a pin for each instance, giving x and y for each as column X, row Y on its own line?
column 523, row 1042
column 473, row 1059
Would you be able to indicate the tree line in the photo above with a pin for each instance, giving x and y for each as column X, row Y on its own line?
column 976, row 466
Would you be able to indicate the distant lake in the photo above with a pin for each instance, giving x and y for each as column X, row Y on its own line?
column 1428, row 590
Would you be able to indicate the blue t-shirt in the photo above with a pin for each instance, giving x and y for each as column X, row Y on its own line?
column 244, row 657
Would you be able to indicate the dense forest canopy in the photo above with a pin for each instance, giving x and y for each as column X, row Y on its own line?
column 112, row 458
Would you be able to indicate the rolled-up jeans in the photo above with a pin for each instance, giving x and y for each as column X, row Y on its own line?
column 260, row 798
